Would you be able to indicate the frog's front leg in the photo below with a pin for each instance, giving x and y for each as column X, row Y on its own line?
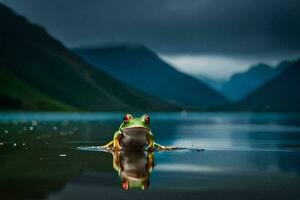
column 150, row 141
column 115, row 143
column 152, row 145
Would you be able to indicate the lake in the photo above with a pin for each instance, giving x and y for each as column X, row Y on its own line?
column 247, row 156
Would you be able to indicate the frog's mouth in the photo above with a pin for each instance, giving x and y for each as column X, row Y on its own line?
column 135, row 130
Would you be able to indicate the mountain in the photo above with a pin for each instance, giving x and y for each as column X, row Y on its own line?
column 45, row 69
column 17, row 95
column 241, row 84
column 142, row 68
column 279, row 94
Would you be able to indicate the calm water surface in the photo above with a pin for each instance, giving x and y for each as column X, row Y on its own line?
column 247, row 156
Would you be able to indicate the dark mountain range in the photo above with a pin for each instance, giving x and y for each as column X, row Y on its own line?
column 143, row 69
column 241, row 84
column 279, row 94
column 44, row 67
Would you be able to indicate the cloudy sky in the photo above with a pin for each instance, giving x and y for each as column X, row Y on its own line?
column 211, row 37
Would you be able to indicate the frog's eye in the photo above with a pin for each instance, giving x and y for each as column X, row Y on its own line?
column 125, row 185
column 127, row 117
column 147, row 119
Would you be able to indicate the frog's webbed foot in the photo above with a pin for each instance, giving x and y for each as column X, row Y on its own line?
column 108, row 145
column 111, row 146
column 163, row 148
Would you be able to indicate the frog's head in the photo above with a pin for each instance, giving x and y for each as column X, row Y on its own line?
column 130, row 122
column 134, row 132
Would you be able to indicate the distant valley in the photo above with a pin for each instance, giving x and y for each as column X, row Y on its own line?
column 242, row 84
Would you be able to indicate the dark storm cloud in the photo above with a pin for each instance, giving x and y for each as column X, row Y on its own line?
column 172, row 26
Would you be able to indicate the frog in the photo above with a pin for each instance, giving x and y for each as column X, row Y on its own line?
column 133, row 168
column 134, row 134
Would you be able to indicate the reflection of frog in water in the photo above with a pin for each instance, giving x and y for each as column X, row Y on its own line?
column 134, row 168
column 132, row 163
column 134, row 134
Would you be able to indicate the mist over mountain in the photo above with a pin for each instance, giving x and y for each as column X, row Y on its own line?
column 142, row 68
column 41, row 65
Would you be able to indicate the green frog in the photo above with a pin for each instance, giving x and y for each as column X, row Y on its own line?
column 134, row 134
